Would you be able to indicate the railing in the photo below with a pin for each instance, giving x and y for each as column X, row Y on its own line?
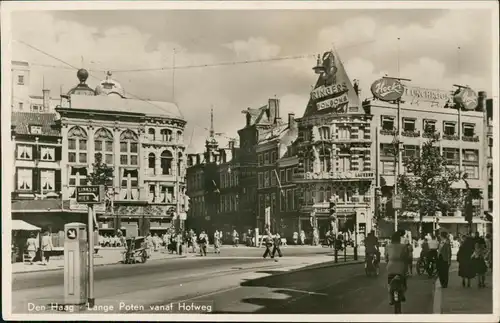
column 336, row 175
column 451, row 137
column 388, row 132
column 411, row 133
column 431, row 135
column 470, row 138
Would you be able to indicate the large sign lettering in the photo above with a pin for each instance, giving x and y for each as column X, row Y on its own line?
column 387, row 89
column 420, row 94
column 324, row 91
column 467, row 98
column 338, row 103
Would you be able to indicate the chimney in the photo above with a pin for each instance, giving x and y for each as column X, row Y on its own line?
column 481, row 102
column 46, row 100
column 292, row 124
column 274, row 109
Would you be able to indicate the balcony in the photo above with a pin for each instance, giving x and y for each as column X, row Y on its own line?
column 411, row 133
column 451, row 137
column 360, row 199
column 470, row 138
column 388, row 132
column 433, row 135
column 349, row 175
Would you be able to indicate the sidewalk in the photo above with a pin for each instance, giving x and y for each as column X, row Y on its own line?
column 459, row 300
column 106, row 256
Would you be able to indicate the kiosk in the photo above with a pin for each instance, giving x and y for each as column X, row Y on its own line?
column 75, row 264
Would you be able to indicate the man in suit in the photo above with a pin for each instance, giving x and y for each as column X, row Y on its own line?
column 444, row 259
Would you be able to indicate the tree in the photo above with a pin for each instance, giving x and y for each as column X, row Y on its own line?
column 426, row 187
column 103, row 174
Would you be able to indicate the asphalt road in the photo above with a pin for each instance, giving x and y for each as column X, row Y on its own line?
column 228, row 286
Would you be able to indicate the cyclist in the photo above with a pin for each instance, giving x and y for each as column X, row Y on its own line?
column 396, row 256
column 372, row 248
column 424, row 252
column 432, row 253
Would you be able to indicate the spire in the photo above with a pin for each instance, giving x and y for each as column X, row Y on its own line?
column 212, row 132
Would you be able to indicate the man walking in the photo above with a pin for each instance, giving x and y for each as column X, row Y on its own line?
column 444, row 260
column 268, row 242
column 203, row 240
column 276, row 247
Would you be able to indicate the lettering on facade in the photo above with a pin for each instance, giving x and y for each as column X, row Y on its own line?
column 387, row 89
column 338, row 103
column 426, row 94
column 325, row 91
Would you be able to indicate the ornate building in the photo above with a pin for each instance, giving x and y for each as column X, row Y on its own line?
column 142, row 141
column 334, row 154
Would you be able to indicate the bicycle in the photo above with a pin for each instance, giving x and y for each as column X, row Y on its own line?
column 371, row 265
column 432, row 268
column 396, row 290
column 421, row 266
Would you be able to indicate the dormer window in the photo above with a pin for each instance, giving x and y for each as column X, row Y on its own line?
column 36, row 130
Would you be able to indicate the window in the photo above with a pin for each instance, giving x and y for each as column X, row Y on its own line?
column 266, row 158
column 166, row 135
column 343, row 132
column 266, row 179
column 321, row 195
column 273, row 203
column 260, row 159
column 48, row 153
column 261, row 180
column 179, row 136
column 36, row 108
column 166, row 162
column 20, row 79
column 409, row 124
column 273, row 157
column 48, row 180
column 273, row 178
column 152, row 163
column 451, row 155
column 386, row 150
column 325, row 160
column 261, row 205
column 490, row 147
column 36, row 130
column 77, row 145
column 387, row 123
column 388, row 168
column 324, row 133
column 129, row 184
column 288, row 175
column 470, row 155
column 151, row 134
column 472, row 171
column 77, row 177
column 410, row 151
column 21, row 106
column 24, row 152
column 289, row 200
column 179, row 164
column 468, row 130
column 282, row 201
column 282, row 176
column 429, row 126
column 103, row 144
column 344, row 162
column 449, row 128
column 24, row 179
column 129, row 153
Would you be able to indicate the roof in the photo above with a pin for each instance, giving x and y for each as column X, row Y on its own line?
column 340, row 77
column 272, row 134
column 118, row 104
column 22, row 121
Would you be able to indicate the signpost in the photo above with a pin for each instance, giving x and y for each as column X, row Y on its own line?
column 90, row 195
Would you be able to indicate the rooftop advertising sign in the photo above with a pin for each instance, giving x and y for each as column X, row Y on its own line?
column 387, row 89
column 467, row 98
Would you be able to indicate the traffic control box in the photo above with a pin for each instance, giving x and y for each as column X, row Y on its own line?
column 75, row 264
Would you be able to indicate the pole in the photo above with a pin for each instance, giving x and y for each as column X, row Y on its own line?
column 397, row 164
column 91, row 255
column 356, row 237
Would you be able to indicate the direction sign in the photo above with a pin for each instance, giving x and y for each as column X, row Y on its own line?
column 71, row 234
column 396, row 202
column 90, row 194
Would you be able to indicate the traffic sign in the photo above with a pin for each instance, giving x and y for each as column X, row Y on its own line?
column 90, row 194
column 71, row 234
column 396, row 202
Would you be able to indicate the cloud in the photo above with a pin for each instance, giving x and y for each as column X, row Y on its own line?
column 254, row 48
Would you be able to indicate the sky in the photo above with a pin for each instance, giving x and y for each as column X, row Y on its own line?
column 366, row 41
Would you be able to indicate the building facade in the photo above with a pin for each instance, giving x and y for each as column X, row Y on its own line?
column 141, row 140
column 462, row 139
column 22, row 98
column 334, row 155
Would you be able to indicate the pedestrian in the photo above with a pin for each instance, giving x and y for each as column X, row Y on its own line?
column 202, row 241
column 268, row 243
column 479, row 264
column 410, row 256
column 149, row 244
column 217, row 241
column 47, row 247
column 444, row 259
column 315, row 237
column 489, row 251
column 464, row 258
column 236, row 238
column 32, row 247
column 295, row 238
column 302, row 237
column 276, row 247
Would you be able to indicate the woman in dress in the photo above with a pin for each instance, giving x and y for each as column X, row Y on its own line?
column 217, row 238
column 479, row 264
column 31, row 247
column 465, row 267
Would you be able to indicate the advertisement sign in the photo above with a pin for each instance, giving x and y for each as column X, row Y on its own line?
column 268, row 215
column 466, row 98
column 335, row 103
column 387, row 89
column 324, row 91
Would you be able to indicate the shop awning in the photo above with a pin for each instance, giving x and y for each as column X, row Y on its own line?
column 20, row 225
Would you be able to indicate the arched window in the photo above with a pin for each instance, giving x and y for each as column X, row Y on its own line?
column 166, row 135
column 77, row 145
column 151, row 134
column 321, row 196
column 152, row 163
column 179, row 136
column 328, row 193
column 129, row 149
column 325, row 160
column 166, row 162
column 103, row 144
column 324, row 133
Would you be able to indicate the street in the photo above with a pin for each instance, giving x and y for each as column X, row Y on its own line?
column 244, row 285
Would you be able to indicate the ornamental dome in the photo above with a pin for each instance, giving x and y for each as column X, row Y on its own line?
column 82, row 88
column 109, row 87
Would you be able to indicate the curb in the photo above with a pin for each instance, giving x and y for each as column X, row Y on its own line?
column 99, row 265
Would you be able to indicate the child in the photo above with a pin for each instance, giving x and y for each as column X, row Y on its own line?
column 479, row 264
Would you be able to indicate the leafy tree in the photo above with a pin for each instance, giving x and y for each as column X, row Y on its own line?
column 426, row 187
column 103, row 174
